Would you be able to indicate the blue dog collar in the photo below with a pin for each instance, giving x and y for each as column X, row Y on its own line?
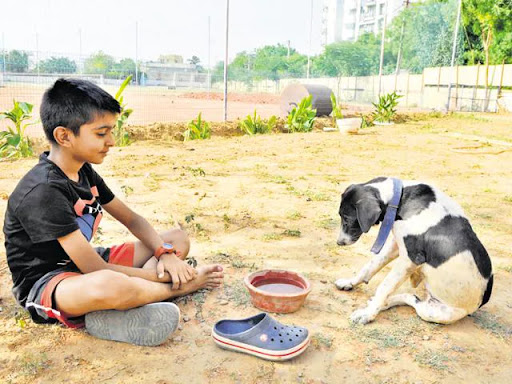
column 389, row 217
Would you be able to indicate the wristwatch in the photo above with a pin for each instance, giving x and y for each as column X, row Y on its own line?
column 164, row 248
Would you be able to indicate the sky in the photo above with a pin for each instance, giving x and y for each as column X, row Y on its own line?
column 163, row 27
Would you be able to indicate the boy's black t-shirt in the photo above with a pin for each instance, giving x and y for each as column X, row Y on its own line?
column 44, row 206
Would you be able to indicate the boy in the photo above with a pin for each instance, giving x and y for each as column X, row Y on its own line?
column 52, row 215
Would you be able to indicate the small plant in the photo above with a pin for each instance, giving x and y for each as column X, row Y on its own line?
column 336, row 109
column 14, row 143
column 197, row 129
column 385, row 108
column 292, row 233
column 302, row 117
column 121, row 136
column 197, row 171
column 253, row 124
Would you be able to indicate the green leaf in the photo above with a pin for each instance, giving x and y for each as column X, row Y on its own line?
column 123, row 86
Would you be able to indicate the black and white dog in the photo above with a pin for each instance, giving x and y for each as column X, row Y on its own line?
column 432, row 241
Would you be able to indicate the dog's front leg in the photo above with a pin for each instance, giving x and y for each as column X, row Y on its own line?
column 388, row 253
column 402, row 269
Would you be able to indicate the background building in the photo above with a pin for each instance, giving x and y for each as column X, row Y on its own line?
column 346, row 20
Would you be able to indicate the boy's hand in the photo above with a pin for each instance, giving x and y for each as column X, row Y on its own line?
column 178, row 269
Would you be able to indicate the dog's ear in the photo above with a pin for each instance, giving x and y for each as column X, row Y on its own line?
column 368, row 212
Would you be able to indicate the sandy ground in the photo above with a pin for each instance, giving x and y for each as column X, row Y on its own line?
column 244, row 197
column 157, row 104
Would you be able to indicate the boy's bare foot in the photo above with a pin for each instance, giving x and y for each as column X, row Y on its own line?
column 208, row 276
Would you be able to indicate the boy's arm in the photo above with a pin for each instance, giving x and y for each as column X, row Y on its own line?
column 179, row 270
column 135, row 223
column 87, row 260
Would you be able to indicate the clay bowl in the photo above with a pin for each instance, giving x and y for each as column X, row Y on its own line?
column 278, row 291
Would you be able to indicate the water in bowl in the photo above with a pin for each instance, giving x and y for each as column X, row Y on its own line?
column 279, row 286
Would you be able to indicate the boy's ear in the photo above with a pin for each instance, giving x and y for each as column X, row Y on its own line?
column 62, row 136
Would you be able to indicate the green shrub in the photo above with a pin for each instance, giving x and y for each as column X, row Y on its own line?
column 197, row 129
column 385, row 108
column 13, row 142
column 121, row 136
column 302, row 117
column 336, row 109
column 253, row 124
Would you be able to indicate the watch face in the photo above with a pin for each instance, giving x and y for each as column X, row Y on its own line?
column 167, row 246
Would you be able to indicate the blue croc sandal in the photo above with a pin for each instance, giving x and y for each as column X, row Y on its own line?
column 261, row 336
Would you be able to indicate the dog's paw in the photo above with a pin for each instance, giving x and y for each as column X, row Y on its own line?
column 363, row 316
column 344, row 284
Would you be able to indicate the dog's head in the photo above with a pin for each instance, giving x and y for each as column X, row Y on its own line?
column 360, row 208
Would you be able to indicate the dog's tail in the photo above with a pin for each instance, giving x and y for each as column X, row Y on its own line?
column 488, row 290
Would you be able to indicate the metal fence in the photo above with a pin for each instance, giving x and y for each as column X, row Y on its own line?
column 370, row 47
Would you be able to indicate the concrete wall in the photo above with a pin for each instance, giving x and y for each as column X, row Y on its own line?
column 427, row 90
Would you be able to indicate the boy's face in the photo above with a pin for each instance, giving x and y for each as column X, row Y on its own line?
column 95, row 139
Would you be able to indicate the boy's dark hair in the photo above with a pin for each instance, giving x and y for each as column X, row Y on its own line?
column 71, row 103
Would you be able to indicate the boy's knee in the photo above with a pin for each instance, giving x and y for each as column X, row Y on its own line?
column 179, row 239
column 112, row 289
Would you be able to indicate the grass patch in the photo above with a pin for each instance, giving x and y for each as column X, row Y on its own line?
column 234, row 261
column 433, row 359
column 296, row 215
column 292, row 233
column 32, row 364
column 467, row 116
column 237, row 293
column 382, row 338
column 508, row 198
column 492, row 324
column 322, row 340
column 272, row 236
column 328, row 223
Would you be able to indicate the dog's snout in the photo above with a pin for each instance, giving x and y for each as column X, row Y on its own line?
column 341, row 242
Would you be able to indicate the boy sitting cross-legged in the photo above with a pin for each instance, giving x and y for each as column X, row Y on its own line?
column 52, row 215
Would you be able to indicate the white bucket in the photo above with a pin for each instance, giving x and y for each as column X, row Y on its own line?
column 349, row 125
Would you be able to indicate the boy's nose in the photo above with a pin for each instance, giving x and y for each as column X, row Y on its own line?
column 111, row 141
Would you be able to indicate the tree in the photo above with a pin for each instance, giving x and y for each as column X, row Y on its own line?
column 121, row 70
column 16, row 61
column 99, row 63
column 57, row 65
column 428, row 37
column 360, row 58
column 194, row 60
column 491, row 21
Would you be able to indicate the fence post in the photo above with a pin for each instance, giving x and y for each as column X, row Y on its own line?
column 422, row 87
column 355, row 89
column 457, row 88
column 407, row 90
column 501, row 83
column 438, row 79
column 475, row 90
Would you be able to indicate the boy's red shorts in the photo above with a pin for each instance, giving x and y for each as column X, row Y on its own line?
column 40, row 302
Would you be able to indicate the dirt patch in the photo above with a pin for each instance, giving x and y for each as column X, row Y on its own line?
column 174, row 131
column 257, row 98
column 237, row 196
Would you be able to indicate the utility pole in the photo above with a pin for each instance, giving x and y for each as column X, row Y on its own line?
column 3, row 51
column 226, row 65
column 136, row 53
column 454, row 48
column 37, row 55
column 80, row 64
column 209, row 47
column 288, row 54
column 399, row 56
column 310, row 32
column 382, row 45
